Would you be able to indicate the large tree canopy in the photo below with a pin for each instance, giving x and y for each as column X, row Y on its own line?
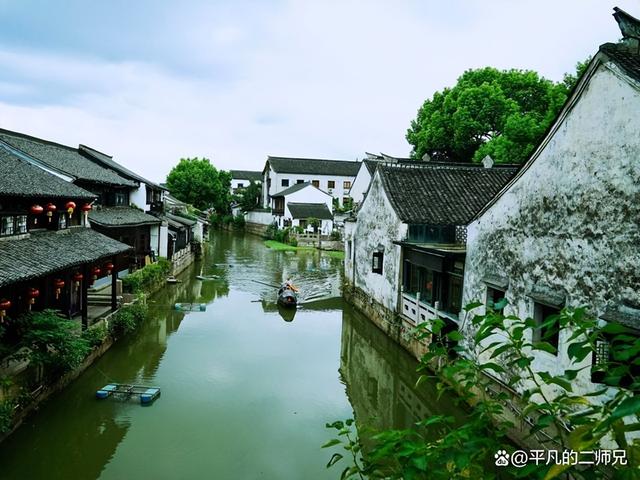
column 199, row 183
column 502, row 113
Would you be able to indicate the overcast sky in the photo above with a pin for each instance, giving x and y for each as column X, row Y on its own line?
column 151, row 81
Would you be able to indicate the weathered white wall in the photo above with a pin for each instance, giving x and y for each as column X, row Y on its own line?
column 163, row 249
column 360, row 184
column 138, row 197
column 349, row 248
column 154, row 238
column 378, row 224
column 569, row 224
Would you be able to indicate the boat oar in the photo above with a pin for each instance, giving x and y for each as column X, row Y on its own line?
column 267, row 284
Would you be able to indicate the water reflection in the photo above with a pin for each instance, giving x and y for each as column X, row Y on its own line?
column 381, row 378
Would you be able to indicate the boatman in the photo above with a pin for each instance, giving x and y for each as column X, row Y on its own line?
column 289, row 284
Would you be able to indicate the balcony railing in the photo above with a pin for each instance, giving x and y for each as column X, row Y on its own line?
column 418, row 312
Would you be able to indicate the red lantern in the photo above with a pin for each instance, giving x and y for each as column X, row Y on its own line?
column 109, row 268
column 59, row 284
column 78, row 278
column 4, row 306
column 70, row 206
column 50, row 209
column 86, row 208
column 36, row 210
column 33, row 293
column 96, row 272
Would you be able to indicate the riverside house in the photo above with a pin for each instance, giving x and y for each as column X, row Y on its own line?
column 405, row 250
column 241, row 179
column 295, row 206
column 48, row 254
column 332, row 176
column 565, row 231
column 112, row 212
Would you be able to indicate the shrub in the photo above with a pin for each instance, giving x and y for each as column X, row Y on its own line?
column 95, row 335
column 146, row 277
column 238, row 221
column 128, row 318
column 53, row 341
column 270, row 232
column 7, row 407
column 336, row 235
column 227, row 219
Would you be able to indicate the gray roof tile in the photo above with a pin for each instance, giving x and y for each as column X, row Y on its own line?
column 246, row 175
column 310, row 210
column 121, row 217
column 441, row 193
column 21, row 179
column 314, row 166
column 63, row 158
column 43, row 253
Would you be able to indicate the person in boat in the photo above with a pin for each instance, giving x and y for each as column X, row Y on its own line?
column 289, row 284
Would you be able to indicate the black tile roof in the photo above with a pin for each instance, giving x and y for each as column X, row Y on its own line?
column 291, row 189
column 246, row 175
column 310, row 210
column 371, row 165
column 440, row 193
column 314, row 166
column 626, row 59
column 108, row 162
column 65, row 159
column 48, row 252
column 121, row 217
column 180, row 219
column 21, row 179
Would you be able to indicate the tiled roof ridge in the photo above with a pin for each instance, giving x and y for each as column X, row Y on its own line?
column 82, row 145
column 269, row 157
column 36, row 139
column 447, row 165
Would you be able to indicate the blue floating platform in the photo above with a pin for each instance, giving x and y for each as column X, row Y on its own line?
column 146, row 394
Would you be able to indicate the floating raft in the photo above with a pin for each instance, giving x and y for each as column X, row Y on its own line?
column 147, row 394
column 191, row 307
column 208, row 277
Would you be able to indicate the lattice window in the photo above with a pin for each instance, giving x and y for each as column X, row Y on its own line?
column 461, row 234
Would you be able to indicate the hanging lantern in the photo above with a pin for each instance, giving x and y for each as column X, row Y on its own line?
column 51, row 208
column 108, row 267
column 96, row 272
column 36, row 210
column 77, row 278
column 70, row 206
column 86, row 208
column 59, row 284
column 33, row 293
column 4, row 306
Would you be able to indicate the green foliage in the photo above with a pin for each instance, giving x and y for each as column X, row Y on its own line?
column 53, row 341
column 145, row 278
column 336, row 235
column 95, row 335
column 128, row 318
column 198, row 182
column 501, row 346
column 238, row 222
column 270, row 232
column 502, row 113
column 249, row 197
column 7, row 409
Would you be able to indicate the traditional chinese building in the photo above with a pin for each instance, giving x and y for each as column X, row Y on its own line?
column 48, row 254
column 405, row 251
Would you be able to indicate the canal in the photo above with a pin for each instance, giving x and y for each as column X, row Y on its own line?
column 246, row 391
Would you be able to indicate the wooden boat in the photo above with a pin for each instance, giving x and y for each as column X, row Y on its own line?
column 207, row 277
column 287, row 297
column 173, row 280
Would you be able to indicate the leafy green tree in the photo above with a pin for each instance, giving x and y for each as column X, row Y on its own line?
column 502, row 113
column 198, row 182
column 250, row 196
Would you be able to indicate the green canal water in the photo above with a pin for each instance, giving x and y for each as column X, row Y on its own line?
column 246, row 393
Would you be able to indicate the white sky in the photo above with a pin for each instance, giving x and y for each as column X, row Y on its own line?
column 237, row 81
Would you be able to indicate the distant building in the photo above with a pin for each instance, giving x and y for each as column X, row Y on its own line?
column 242, row 178
column 332, row 176
column 297, row 205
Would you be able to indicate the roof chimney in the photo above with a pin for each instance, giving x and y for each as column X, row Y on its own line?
column 487, row 162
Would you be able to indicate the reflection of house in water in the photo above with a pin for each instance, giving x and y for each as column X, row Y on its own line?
column 381, row 377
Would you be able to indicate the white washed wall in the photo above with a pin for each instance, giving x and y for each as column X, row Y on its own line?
column 378, row 223
column 338, row 192
column 360, row 184
column 569, row 224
